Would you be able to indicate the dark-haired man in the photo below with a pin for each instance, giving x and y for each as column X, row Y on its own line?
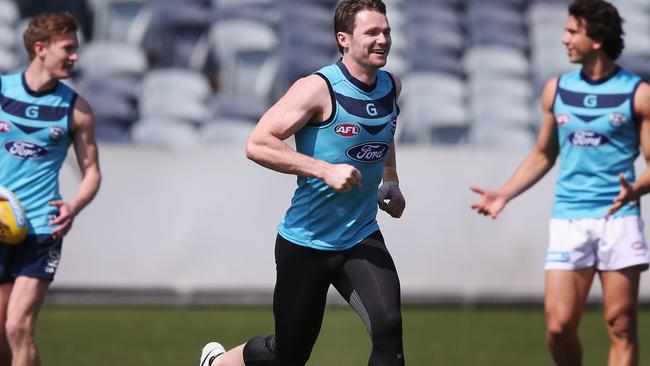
column 343, row 118
column 595, row 118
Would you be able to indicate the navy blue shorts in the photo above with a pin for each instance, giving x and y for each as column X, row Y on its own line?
column 38, row 256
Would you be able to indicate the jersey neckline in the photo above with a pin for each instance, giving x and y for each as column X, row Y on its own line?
column 35, row 93
column 358, row 83
column 602, row 80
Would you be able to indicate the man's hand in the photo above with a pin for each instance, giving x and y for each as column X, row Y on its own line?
column 626, row 195
column 63, row 221
column 490, row 203
column 390, row 199
column 342, row 177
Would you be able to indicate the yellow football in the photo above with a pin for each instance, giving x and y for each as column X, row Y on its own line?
column 13, row 215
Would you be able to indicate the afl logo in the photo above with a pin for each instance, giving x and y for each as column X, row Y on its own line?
column 587, row 139
column 617, row 119
column 368, row 152
column 25, row 149
column 393, row 126
column 347, row 129
column 56, row 133
column 4, row 127
column 562, row 119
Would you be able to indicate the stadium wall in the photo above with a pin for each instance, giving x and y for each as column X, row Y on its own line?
column 197, row 226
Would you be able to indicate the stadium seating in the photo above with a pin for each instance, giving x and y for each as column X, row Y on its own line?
column 472, row 69
column 9, row 40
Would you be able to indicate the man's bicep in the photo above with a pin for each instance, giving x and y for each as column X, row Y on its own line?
column 83, row 134
column 642, row 114
column 547, row 137
column 302, row 103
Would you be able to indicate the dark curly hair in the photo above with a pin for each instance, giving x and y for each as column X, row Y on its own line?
column 347, row 10
column 603, row 24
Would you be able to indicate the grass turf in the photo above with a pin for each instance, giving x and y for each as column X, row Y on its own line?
column 432, row 335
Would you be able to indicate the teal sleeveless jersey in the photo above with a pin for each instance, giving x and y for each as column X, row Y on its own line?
column 598, row 138
column 359, row 133
column 34, row 140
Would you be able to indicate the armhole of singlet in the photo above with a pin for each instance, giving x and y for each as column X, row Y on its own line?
column 392, row 80
column 332, row 98
column 557, row 90
column 73, row 102
column 636, row 87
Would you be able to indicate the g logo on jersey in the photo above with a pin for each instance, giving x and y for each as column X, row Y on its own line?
column 368, row 152
column 590, row 101
column 4, row 127
column 347, row 129
column 587, row 139
column 371, row 109
column 32, row 111
column 25, row 149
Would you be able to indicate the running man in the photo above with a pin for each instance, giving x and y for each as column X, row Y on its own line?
column 39, row 118
column 594, row 118
column 343, row 118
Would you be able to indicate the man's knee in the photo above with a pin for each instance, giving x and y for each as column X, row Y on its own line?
column 558, row 328
column 260, row 351
column 621, row 325
column 387, row 327
column 19, row 329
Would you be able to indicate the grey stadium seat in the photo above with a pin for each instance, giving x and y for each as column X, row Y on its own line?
column 246, row 54
column 166, row 133
column 233, row 132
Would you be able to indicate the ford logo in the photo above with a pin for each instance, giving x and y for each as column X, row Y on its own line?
column 587, row 139
column 25, row 149
column 368, row 152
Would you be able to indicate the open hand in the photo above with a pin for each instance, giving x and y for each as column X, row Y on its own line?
column 626, row 195
column 63, row 221
column 490, row 204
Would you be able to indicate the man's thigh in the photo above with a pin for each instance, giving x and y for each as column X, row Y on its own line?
column 565, row 295
column 303, row 278
column 27, row 296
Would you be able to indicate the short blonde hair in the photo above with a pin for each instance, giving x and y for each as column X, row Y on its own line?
column 43, row 27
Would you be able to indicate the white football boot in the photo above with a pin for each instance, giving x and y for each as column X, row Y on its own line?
column 210, row 352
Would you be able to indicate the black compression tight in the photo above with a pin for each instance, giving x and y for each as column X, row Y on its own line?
column 364, row 275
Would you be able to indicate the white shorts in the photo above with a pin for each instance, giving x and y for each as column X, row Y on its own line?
column 607, row 244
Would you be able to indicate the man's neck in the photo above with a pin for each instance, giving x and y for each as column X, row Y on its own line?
column 38, row 79
column 598, row 68
column 364, row 74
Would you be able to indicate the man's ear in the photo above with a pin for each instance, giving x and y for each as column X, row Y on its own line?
column 39, row 48
column 343, row 39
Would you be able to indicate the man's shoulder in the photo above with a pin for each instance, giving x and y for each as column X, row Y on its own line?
column 10, row 80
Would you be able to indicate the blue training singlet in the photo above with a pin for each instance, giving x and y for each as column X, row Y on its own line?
column 359, row 132
column 34, row 141
column 598, row 138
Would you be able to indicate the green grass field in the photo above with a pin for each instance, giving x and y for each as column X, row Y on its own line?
column 163, row 336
